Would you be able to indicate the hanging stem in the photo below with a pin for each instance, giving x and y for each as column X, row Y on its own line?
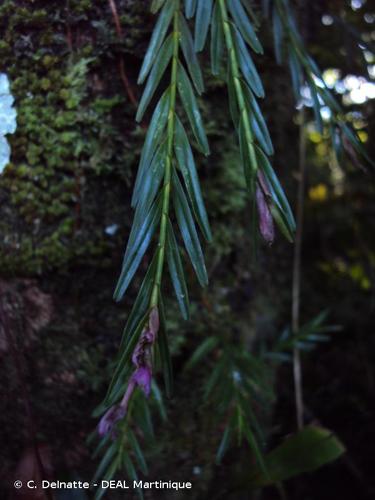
column 237, row 84
column 168, row 165
column 296, row 287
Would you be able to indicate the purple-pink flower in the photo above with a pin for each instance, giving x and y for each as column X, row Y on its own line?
column 141, row 377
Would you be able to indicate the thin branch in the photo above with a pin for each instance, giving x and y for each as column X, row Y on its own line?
column 124, row 78
column 296, row 287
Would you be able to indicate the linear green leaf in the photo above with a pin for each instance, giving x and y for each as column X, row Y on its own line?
column 157, row 39
column 278, row 36
column 160, row 64
column 249, row 168
column 191, row 107
column 244, row 25
column 156, row 5
column 201, row 352
column 247, row 66
column 190, row 55
column 258, row 116
column 190, row 7
column 202, row 22
column 137, row 248
column 188, row 231
column 154, row 134
column 176, row 272
column 186, row 163
column 217, row 40
column 133, row 441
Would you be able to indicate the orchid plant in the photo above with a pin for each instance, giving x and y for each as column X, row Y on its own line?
column 169, row 206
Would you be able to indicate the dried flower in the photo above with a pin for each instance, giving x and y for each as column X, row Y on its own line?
column 142, row 375
column 266, row 226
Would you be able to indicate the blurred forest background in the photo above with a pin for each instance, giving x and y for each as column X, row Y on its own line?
column 64, row 219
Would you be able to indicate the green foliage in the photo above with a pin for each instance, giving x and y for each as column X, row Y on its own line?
column 305, row 451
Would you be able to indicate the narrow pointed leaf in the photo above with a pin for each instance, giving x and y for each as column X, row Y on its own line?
column 154, row 135
column 137, row 248
column 217, row 40
column 156, row 5
column 202, row 22
column 258, row 116
column 273, row 181
column 278, row 35
column 190, row 55
column 250, row 168
column 244, row 25
column 133, row 441
column 247, row 66
column 190, row 7
column 157, row 39
column 186, row 163
column 176, row 272
column 224, row 444
column 188, row 231
column 191, row 107
column 201, row 352
column 232, row 97
column 160, row 64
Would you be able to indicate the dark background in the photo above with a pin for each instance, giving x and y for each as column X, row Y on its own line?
column 74, row 159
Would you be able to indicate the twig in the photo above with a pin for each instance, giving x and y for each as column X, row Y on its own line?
column 124, row 78
column 296, row 287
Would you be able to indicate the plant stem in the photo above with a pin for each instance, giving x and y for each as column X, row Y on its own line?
column 238, row 88
column 296, row 287
column 168, row 165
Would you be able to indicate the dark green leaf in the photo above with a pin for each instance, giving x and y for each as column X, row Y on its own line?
column 188, row 231
column 276, row 189
column 258, row 117
column 190, row 7
column 247, row 66
column 191, row 107
column 316, row 105
column 149, row 185
column 177, row 272
column 296, row 73
column 278, row 35
column 139, row 241
column 202, row 22
column 160, row 64
column 190, row 55
column 217, row 40
column 154, row 135
column 244, row 25
column 157, row 38
column 186, row 163
column 249, row 165
column 201, row 352
column 224, row 444
column 105, row 461
column 232, row 97
column 305, row 451
column 156, row 5
column 133, row 441
column 141, row 303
